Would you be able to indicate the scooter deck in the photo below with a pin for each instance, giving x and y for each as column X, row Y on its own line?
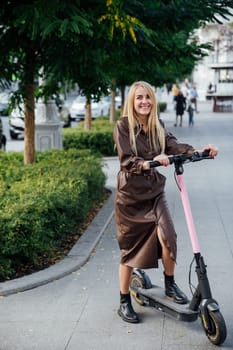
column 156, row 298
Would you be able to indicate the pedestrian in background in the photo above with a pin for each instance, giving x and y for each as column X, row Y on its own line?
column 194, row 96
column 180, row 107
column 184, row 88
column 175, row 91
column 190, row 110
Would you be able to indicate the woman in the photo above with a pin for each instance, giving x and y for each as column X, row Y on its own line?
column 145, row 230
column 180, row 101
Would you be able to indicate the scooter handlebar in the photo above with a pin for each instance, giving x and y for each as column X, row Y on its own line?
column 184, row 158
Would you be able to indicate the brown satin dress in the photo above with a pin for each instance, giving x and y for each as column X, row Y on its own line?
column 140, row 203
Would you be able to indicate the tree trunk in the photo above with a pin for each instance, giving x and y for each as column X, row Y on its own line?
column 29, row 129
column 113, row 105
column 87, row 121
column 122, row 98
column 29, row 110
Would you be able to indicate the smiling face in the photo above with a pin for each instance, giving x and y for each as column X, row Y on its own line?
column 142, row 102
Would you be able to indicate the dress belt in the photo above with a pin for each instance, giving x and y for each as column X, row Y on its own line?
column 148, row 173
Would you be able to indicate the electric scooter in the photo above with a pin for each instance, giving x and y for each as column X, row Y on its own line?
column 202, row 303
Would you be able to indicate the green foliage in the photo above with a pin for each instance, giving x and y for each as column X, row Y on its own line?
column 70, row 40
column 171, row 50
column 162, row 106
column 99, row 139
column 40, row 204
column 93, row 43
column 5, row 112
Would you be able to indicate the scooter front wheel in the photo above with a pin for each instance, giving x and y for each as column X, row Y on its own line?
column 218, row 332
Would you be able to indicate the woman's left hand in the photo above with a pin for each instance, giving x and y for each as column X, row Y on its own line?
column 213, row 151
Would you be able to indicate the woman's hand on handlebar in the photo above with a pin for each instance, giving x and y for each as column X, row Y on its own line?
column 213, row 151
column 162, row 159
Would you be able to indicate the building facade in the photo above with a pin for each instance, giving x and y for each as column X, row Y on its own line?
column 214, row 75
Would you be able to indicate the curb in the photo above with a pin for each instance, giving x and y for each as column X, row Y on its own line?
column 75, row 259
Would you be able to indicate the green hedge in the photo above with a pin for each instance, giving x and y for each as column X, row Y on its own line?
column 162, row 106
column 99, row 139
column 40, row 204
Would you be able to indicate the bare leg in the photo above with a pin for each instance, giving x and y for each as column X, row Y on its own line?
column 171, row 288
column 126, row 311
column 168, row 263
column 124, row 276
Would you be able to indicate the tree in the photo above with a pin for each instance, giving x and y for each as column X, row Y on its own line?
column 96, row 44
column 41, row 34
column 90, row 74
column 165, row 45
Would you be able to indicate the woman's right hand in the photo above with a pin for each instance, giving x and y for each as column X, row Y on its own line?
column 162, row 159
column 146, row 165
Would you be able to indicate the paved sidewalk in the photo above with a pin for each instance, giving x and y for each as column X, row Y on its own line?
column 77, row 309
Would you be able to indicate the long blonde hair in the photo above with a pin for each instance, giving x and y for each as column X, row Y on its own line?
column 156, row 133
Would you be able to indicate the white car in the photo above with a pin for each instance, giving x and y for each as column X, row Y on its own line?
column 16, row 123
column 118, row 102
column 98, row 109
column 4, row 100
column 107, row 100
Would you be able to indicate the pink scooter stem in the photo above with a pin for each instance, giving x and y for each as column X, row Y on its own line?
column 188, row 214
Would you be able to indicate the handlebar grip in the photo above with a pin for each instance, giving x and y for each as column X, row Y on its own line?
column 201, row 155
column 205, row 153
column 154, row 164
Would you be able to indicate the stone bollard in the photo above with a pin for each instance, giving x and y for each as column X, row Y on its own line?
column 48, row 127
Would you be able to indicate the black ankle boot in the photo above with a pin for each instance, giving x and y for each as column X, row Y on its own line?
column 173, row 291
column 126, row 311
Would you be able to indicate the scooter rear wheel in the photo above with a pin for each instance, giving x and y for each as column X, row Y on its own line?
column 136, row 282
column 218, row 332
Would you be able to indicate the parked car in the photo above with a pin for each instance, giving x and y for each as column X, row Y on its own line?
column 64, row 113
column 16, row 124
column 4, row 101
column 118, row 102
column 98, row 109
column 3, row 139
column 16, row 120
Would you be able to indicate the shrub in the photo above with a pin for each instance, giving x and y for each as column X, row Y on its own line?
column 99, row 139
column 162, row 106
column 40, row 204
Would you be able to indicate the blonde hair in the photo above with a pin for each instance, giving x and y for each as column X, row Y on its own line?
column 156, row 135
